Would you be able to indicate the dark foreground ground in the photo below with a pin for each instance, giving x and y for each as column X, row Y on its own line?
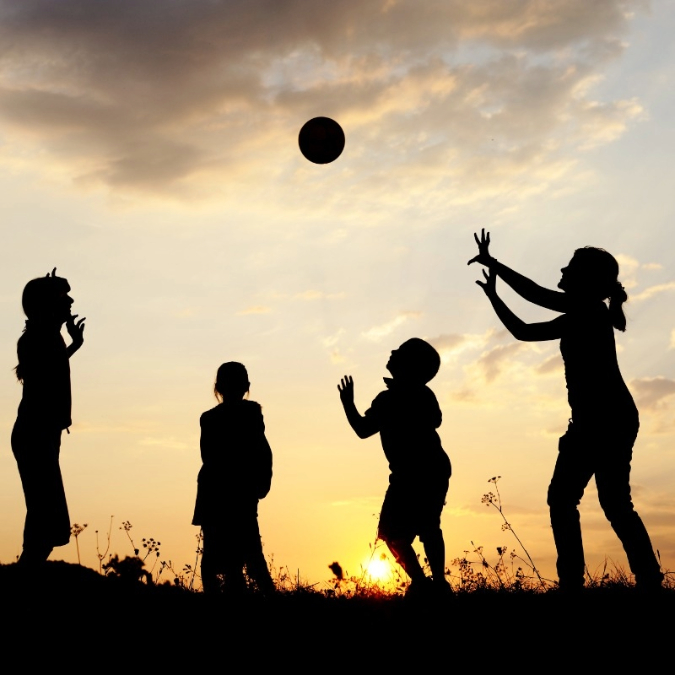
column 72, row 618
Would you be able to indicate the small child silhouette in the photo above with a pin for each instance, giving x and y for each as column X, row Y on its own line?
column 406, row 416
column 236, row 474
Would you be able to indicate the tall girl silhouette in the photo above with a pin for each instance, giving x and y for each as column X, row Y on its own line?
column 44, row 412
column 604, row 423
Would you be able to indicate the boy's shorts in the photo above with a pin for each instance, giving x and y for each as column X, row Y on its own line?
column 412, row 508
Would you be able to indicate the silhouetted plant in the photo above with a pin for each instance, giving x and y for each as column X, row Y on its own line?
column 75, row 531
column 186, row 577
column 490, row 499
column 129, row 568
column 101, row 556
column 505, row 574
column 126, row 526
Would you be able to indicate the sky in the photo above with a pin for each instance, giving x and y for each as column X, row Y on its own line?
column 148, row 150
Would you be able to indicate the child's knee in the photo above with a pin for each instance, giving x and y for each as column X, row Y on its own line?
column 397, row 545
column 431, row 535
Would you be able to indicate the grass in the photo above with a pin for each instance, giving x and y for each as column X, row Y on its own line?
column 140, row 611
column 510, row 571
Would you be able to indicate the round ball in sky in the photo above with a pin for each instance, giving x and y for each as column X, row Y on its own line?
column 321, row 140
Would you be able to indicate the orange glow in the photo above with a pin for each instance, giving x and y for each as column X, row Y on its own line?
column 379, row 569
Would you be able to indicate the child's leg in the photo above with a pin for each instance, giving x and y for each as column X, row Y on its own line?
column 396, row 528
column 434, row 547
column 256, row 565
column 407, row 558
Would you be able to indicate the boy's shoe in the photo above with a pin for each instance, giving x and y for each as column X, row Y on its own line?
column 420, row 590
column 443, row 589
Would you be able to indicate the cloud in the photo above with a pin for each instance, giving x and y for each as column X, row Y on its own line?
column 332, row 340
column 550, row 365
column 651, row 291
column 336, row 356
column 255, row 309
column 628, row 267
column 652, row 392
column 449, row 342
column 168, row 98
column 318, row 295
column 169, row 443
column 378, row 332
column 492, row 362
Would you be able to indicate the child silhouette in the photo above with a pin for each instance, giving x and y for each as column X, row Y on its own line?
column 44, row 412
column 236, row 473
column 406, row 416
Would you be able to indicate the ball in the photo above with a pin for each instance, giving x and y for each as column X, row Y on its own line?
column 321, row 140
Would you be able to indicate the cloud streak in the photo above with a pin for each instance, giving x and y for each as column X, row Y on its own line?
column 378, row 332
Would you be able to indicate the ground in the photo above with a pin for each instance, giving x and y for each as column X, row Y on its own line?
column 72, row 614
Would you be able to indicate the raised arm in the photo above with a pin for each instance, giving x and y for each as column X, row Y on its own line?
column 76, row 331
column 363, row 427
column 526, row 288
column 527, row 332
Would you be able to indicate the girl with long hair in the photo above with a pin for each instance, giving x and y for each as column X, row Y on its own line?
column 44, row 412
column 604, row 421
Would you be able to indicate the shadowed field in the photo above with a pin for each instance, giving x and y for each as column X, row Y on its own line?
column 72, row 612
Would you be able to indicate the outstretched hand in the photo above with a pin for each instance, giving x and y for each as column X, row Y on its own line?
column 346, row 389
column 76, row 330
column 483, row 257
column 490, row 283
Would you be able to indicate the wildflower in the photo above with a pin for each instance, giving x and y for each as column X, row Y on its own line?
column 336, row 569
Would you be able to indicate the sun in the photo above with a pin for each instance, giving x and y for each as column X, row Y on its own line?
column 379, row 569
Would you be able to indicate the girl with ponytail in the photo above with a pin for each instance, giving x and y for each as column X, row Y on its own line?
column 604, row 421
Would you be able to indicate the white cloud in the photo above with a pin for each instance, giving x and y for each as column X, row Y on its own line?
column 651, row 291
column 378, row 332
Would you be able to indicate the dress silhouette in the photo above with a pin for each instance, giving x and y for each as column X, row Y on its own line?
column 236, row 473
column 604, row 422
column 44, row 412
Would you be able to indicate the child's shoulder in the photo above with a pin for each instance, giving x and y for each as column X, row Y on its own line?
column 243, row 407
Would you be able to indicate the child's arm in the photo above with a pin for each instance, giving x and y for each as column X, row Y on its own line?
column 528, row 332
column 76, row 331
column 526, row 288
column 265, row 480
column 362, row 426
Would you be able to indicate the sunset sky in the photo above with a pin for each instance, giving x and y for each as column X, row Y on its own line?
column 148, row 150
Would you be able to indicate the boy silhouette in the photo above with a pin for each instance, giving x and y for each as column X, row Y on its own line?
column 406, row 415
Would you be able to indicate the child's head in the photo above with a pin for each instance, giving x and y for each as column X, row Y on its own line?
column 592, row 272
column 415, row 361
column 46, row 298
column 231, row 381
